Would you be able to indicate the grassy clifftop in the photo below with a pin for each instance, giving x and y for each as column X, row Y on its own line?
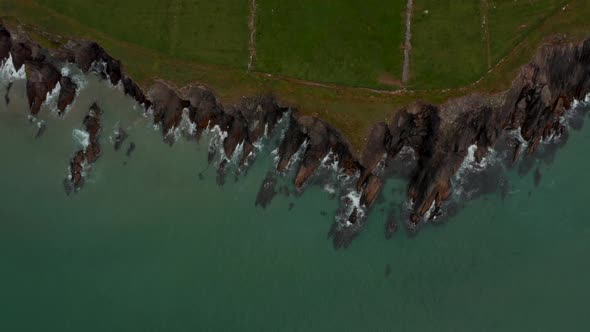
column 328, row 58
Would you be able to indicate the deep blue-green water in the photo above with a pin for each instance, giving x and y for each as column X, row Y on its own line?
column 147, row 245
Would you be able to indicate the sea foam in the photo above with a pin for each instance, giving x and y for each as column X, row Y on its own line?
column 9, row 74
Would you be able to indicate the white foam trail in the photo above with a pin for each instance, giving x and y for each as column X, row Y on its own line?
column 82, row 138
column 9, row 74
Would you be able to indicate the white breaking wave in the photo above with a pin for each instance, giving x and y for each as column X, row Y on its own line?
column 430, row 211
column 330, row 156
column 217, row 137
column 82, row 138
column 185, row 126
column 354, row 199
column 100, row 67
column 584, row 102
column 9, row 74
column 76, row 75
column 470, row 165
column 52, row 98
column 329, row 188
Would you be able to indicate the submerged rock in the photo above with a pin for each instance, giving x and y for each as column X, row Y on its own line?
column 7, row 94
column 120, row 137
column 130, row 149
column 267, row 191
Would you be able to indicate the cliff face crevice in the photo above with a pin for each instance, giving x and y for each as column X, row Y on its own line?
column 440, row 136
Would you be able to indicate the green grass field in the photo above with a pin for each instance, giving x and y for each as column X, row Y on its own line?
column 447, row 49
column 347, row 42
column 196, row 30
column 343, row 42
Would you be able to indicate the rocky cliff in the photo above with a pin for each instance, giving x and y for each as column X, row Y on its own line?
column 439, row 136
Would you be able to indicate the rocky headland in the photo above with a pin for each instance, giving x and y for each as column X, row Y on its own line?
column 438, row 138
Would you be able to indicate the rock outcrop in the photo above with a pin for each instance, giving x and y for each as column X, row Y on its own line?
column 85, row 157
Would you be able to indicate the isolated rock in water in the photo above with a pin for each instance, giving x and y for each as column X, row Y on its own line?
column 390, row 226
column 7, row 94
column 67, row 94
column 120, row 137
column 130, row 149
column 537, row 177
column 41, row 127
column 221, row 172
column 42, row 78
column 83, row 158
column 267, row 191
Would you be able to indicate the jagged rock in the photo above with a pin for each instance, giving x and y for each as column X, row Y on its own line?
column 133, row 90
column 5, row 43
column 167, row 106
column 90, row 54
column 322, row 139
column 42, row 77
column 21, row 53
column 294, row 138
column 371, row 191
column 67, row 94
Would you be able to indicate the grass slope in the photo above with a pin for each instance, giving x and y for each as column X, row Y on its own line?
column 350, row 42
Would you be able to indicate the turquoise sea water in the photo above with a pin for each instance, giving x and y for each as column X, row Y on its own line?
column 147, row 245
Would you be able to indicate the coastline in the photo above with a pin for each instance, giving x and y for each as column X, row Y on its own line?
column 441, row 136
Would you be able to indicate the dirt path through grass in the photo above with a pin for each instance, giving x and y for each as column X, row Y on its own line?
column 252, row 28
column 408, row 42
column 485, row 26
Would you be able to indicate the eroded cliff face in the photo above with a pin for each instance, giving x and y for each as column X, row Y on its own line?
column 439, row 137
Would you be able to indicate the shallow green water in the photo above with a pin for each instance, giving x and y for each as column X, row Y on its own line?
column 148, row 246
